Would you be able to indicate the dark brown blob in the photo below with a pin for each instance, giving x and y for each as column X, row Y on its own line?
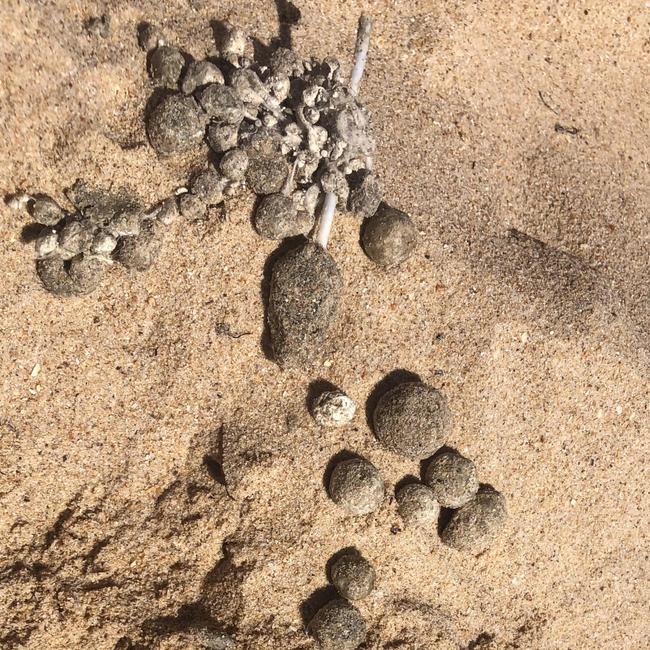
column 475, row 526
column 338, row 625
column 305, row 291
column 175, row 125
column 389, row 237
column 140, row 251
column 276, row 217
column 412, row 419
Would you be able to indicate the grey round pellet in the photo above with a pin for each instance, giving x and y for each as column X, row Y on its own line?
column 199, row 74
column 86, row 273
column 475, row 526
column 175, row 125
column 356, row 486
column 54, row 276
column 276, row 217
column 166, row 65
column 365, row 194
column 140, row 251
column 353, row 576
column 338, row 625
column 221, row 103
column 222, row 137
column 234, row 164
column 412, row 419
column 452, row 478
column 417, row 505
column 46, row 211
column 389, row 236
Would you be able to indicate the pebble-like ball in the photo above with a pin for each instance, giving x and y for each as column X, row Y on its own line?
column 175, row 125
column 353, row 576
column 166, row 65
column 365, row 194
column 276, row 217
column 389, row 236
column 338, row 625
column 333, row 408
column 234, row 164
column 476, row 525
column 412, row 419
column 452, row 478
column 140, row 251
column 86, row 273
column 356, row 486
column 417, row 505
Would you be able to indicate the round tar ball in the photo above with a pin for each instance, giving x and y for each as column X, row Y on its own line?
column 353, row 576
column 276, row 217
column 166, row 65
column 476, row 525
column 452, row 478
column 86, row 273
column 338, row 625
column 234, row 164
column 389, row 236
column 356, row 486
column 412, row 419
column 333, row 408
column 417, row 505
column 175, row 125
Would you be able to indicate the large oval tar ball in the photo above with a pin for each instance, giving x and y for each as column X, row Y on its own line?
column 276, row 217
column 305, row 291
column 412, row 419
column 175, row 125
column 356, row 486
column 389, row 237
column 476, row 525
column 353, row 576
column 452, row 478
column 338, row 626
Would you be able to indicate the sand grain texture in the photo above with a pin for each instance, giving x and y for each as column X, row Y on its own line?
column 121, row 412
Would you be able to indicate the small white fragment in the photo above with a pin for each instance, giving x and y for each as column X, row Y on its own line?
column 333, row 408
column 35, row 370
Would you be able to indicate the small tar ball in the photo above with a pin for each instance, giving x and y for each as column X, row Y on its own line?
column 192, row 206
column 417, row 505
column 46, row 243
column 86, row 273
column 356, row 486
column 266, row 172
column 221, row 103
column 303, row 300
column 140, row 251
column 389, row 237
column 46, row 211
column 333, row 408
column 222, row 137
column 165, row 66
column 75, row 237
column 175, row 125
column 234, row 164
column 365, row 194
column 199, row 74
column 338, row 626
column 412, row 419
column 353, row 576
column 276, row 217
column 54, row 276
column 452, row 478
column 149, row 37
column 476, row 525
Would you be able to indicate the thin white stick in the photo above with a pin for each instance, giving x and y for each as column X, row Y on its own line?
column 360, row 52
column 324, row 227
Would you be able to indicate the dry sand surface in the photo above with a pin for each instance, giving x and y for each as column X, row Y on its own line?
column 526, row 303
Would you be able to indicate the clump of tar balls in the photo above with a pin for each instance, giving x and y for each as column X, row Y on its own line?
column 292, row 131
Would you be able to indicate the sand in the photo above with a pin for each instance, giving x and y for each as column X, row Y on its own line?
column 516, row 135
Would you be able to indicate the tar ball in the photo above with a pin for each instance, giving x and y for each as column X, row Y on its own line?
column 417, row 505
column 140, row 251
column 165, row 66
column 353, row 576
column 234, row 164
column 192, row 206
column 452, row 478
column 338, row 625
column 199, row 74
column 475, row 526
column 54, row 276
column 149, row 37
column 412, row 419
column 86, row 273
column 389, row 236
column 46, row 211
column 222, row 137
column 46, row 243
column 175, row 125
column 267, row 171
column 75, row 237
column 333, row 408
column 303, row 300
column 276, row 217
column 365, row 194
column 221, row 103
column 356, row 486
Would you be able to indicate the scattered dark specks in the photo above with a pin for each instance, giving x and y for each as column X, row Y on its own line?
column 224, row 329
column 569, row 130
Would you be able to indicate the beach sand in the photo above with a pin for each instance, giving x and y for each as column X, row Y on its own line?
column 516, row 135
